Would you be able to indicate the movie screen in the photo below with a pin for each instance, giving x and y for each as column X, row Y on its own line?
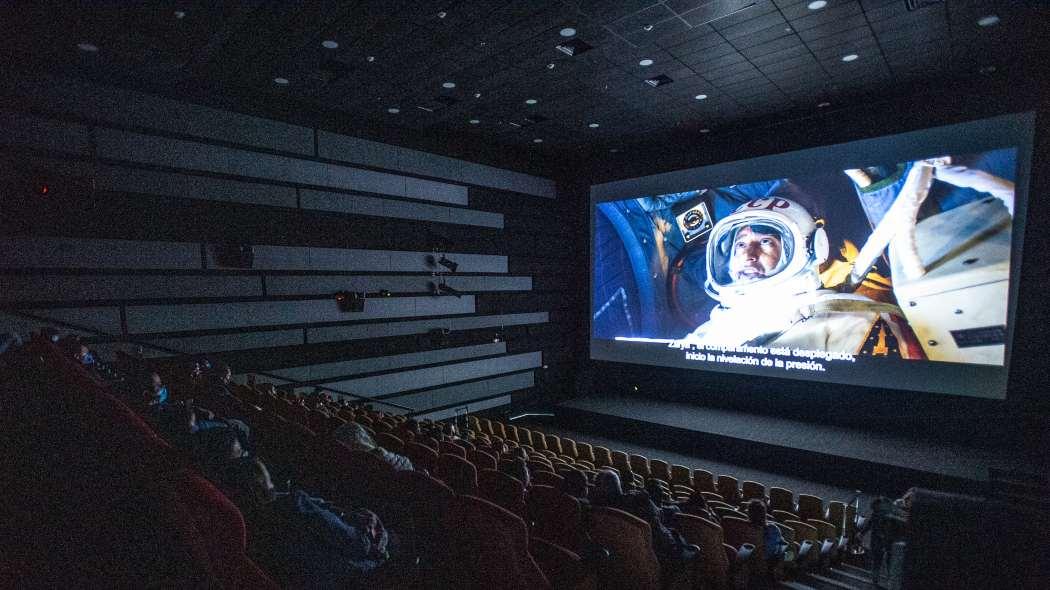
column 893, row 274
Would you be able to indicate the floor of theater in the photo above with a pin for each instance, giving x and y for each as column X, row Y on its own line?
column 795, row 484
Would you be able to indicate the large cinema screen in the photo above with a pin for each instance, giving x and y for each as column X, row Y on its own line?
column 888, row 263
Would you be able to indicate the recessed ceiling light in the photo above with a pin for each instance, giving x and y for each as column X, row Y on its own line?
column 647, row 28
column 370, row 58
column 393, row 110
column 987, row 70
column 824, row 104
column 180, row 14
column 593, row 125
column 850, row 57
column 817, row 4
column 705, row 130
column 537, row 140
column 550, row 66
column 614, row 150
column 531, row 101
column 88, row 47
column 280, row 81
column 645, row 62
column 567, row 32
column 700, row 97
column 442, row 14
column 474, row 121
column 988, row 21
column 330, row 44
column 448, row 85
column 477, row 95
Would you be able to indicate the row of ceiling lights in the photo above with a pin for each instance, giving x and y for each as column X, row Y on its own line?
column 985, row 21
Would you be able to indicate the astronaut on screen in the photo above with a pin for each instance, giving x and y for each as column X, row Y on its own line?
column 763, row 264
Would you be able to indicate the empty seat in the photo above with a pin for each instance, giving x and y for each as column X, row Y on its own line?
column 556, row 516
column 512, row 432
column 390, row 442
column 451, row 448
column 639, row 464
column 681, row 475
column 708, row 536
column 568, row 448
column 781, row 499
column 502, row 489
column 809, row 543
column 554, row 444
column 602, row 457
column 427, row 503
column 564, row 568
column 498, row 429
column 538, row 465
column 810, row 507
column 703, row 481
column 750, row 490
column 585, row 452
column 659, row 469
column 491, row 548
column 630, row 541
column 727, row 486
column 458, row 473
column 421, row 456
column 621, row 462
column 482, row 459
column 546, row 478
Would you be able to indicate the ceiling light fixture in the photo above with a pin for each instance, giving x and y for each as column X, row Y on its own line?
column 281, row 81
column 987, row 70
column 180, row 14
column 988, row 21
column 573, row 47
column 442, row 14
column 850, row 57
column 473, row 121
column 645, row 62
column 537, row 140
column 393, row 110
column 370, row 58
column 659, row 80
column 614, row 151
column 550, row 66
column 705, row 130
column 824, row 104
column 567, row 32
column 88, row 47
column 449, row 85
column 647, row 28
column 593, row 125
column 817, row 4
column 700, row 97
column 477, row 95
column 531, row 101
column 330, row 44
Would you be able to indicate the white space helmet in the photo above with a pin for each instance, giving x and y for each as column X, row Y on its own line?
column 778, row 224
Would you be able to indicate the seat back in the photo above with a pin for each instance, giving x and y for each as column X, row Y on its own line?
column 709, row 538
column 421, row 456
column 537, row 465
column 458, row 473
column 569, row 448
column 810, row 507
column 564, row 568
column 503, row 490
column 546, row 478
column 451, row 448
column 739, row 532
column 556, row 516
column 660, row 469
column 585, row 452
column 512, row 433
column 639, row 464
column 391, row 443
column 727, row 487
column 633, row 564
column 482, row 459
column 750, row 490
column 681, row 475
column 703, row 481
column 490, row 548
column 781, row 499
column 553, row 443
column 837, row 516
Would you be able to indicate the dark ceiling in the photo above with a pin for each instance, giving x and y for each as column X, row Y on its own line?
column 756, row 62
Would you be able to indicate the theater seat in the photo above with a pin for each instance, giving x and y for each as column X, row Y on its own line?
column 632, row 564
column 781, row 499
column 564, row 568
column 503, row 490
column 491, row 548
column 458, row 473
column 421, row 456
column 727, row 486
column 428, row 503
column 602, row 457
column 390, row 442
column 810, row 507
column 680, row 475
column 704, row 481
column 708, row 536
column 556, row 516
column 660, row 470
column 750, row 490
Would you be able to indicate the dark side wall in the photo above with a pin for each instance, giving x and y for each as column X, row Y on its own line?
column 145, row 196
column 1019, row 422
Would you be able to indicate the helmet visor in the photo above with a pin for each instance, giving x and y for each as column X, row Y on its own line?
column 750, row 251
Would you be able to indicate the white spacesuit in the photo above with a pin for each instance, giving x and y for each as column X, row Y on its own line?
column 762, row 266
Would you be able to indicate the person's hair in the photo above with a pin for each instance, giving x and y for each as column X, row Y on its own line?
column 575, row 483
column 519, row 453
column 607, row 485
column 756, row 512
column 355, row 436
column 519, row 470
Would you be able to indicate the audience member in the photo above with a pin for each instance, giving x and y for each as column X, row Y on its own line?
column 302, row 541
column 662, row 499
column 354, row 436
column 697, row 506
column 575, row 485
column 156, row 393
column 669, row 546
column 85, row 357
column 773, row 542
column 519, row 470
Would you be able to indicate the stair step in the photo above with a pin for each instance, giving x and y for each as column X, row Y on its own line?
column 864, row 578
column 794, row 585
column 836, row 583
column 855, row 569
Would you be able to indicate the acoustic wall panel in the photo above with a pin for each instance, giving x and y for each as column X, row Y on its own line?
column 230, row 342
column 227, row 316
column 360, row 260
column 368, row 365
column 469, row 407
column 420, row 378
column 187, row 186
column 91, row 319
column 48, row 252
column 463, row 393
column 27, row 131
column 38, row 287
column 315, row 285
column 340, row 333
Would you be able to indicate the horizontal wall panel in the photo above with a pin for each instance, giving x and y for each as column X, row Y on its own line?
column 463, row 393
column 515, row 319
column 433, row 376
column 225, row 316
column 355, row 150
column 94, row 319
column 178, row 153
column 503, row 400
column 27, row 131
column 48, row 252
column 351, row 259
column 14, row 324
column 385, row 363
column 356, row 332
column 85, row 288
column 120, row 178
column 315, row 285
column 364, row 205
column 128, row 108
column 229, row 342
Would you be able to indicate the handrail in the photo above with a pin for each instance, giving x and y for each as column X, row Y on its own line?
column 178, row 353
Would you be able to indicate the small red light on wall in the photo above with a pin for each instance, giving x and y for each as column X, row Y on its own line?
column 43, row 189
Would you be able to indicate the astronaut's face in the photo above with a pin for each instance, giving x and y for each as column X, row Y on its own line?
column 755, row 254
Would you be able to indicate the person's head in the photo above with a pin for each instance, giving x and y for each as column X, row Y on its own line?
column 354, row 436
column 756, row 512
column 607, row 485
column 770, row 247
column 248, row 484
column 575, row 484
column 84, row 355
column 519, row 453
column 697, row 500
column 224, row 374
column 156, row 392
column 519, row 470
